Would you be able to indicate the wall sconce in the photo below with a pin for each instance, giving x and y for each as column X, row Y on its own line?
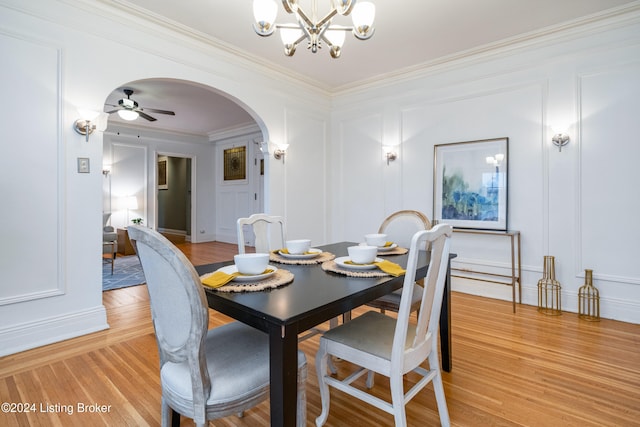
column 390, row 154
column 560, row 140
column 280, row 152
column 264, row 147
column 89, row 121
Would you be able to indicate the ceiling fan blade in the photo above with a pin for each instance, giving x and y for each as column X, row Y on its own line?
column 153, row 110
column 112, row 111
column 111, row 105
column 146, row 116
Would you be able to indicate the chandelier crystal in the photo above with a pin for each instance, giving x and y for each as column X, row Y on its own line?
column 309, row 27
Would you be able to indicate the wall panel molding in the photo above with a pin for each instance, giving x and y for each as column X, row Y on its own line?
column 606, row 175
column 39, row 63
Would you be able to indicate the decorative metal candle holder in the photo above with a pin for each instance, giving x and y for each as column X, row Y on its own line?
column 549, row 301
column 589, row 299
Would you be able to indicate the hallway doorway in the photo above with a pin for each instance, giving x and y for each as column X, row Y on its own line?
column 174, row 196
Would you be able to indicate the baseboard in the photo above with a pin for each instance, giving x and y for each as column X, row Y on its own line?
column 610, row 308
column 34, row 334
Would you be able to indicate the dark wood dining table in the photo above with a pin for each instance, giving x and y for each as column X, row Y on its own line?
column 313, row 297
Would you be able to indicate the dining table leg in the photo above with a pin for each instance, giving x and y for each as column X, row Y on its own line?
column 283, row 364
column 445, row 323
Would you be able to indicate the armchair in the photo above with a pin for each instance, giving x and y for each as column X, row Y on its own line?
column 109, row 241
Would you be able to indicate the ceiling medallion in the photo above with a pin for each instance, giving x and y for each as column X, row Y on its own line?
column 310, row 27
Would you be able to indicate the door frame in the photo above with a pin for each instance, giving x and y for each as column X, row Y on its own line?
column 192, row 237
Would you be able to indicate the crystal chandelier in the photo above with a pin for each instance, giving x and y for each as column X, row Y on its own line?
column 310, row 27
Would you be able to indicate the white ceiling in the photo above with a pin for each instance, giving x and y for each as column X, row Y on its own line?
column 409, row 34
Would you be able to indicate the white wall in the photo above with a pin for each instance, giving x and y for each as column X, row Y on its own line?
column 70, row 56
column 578, row 205
column 334, row 178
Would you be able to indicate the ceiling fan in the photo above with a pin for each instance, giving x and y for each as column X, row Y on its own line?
column 130, row 110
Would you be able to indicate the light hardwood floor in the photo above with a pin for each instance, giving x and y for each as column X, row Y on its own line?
column 523, row 369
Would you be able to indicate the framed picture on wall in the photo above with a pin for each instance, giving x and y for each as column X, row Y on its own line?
column 235, row 163
column 163, row 184
column 471, row 184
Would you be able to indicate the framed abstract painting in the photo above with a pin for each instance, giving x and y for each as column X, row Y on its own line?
column 471, row 184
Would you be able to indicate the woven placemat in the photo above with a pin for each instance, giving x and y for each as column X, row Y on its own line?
column 280, row 278
column 335, row 268
column 322, row 257
column 395, row 251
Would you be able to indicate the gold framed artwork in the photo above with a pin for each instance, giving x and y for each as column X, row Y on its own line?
column 162, row 173
column 235, row 163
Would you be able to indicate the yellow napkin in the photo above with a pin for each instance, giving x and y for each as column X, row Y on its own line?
column 219, row 278
column 390, row 268
column 387, row 266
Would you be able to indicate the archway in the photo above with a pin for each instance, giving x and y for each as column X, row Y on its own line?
column 205, row 120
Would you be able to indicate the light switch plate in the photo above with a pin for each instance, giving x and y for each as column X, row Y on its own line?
column 83, row 165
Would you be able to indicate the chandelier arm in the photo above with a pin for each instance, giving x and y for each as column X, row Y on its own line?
column 262, row 33
column 366, row 36
column 306, row 33
column 327, row 18
column 297, row 42
column 304, row 17
column 323, row 30
column 346, row 10
column 290, row 6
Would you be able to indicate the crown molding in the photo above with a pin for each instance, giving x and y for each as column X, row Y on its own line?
column 144, row 18
column 550, row 35
column 234, row 132
column 139, row 131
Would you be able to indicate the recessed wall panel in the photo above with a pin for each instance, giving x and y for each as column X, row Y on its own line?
column 361, row 193
column 30, row 171
column 609, row 176
column 306, row 136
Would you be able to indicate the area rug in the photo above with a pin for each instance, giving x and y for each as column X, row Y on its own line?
column 127, row 271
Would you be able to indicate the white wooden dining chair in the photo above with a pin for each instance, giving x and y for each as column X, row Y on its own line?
column 393, row 347
column 204, row 374
column 261, row 224
column 400, row 227
column 264, row 228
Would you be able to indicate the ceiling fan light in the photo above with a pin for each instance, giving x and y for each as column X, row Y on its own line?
column 264, row 12
column 128, row 114
column 363, row 15
column 336, row 37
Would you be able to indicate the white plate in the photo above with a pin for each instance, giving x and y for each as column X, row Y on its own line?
column 314, row 253
column 342, row 262
column 383, row 248
column 230, row 269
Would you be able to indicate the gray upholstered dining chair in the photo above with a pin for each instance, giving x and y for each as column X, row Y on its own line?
column 393, row 347
column 400, row 227
column 204, row 374
column 262, row 225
